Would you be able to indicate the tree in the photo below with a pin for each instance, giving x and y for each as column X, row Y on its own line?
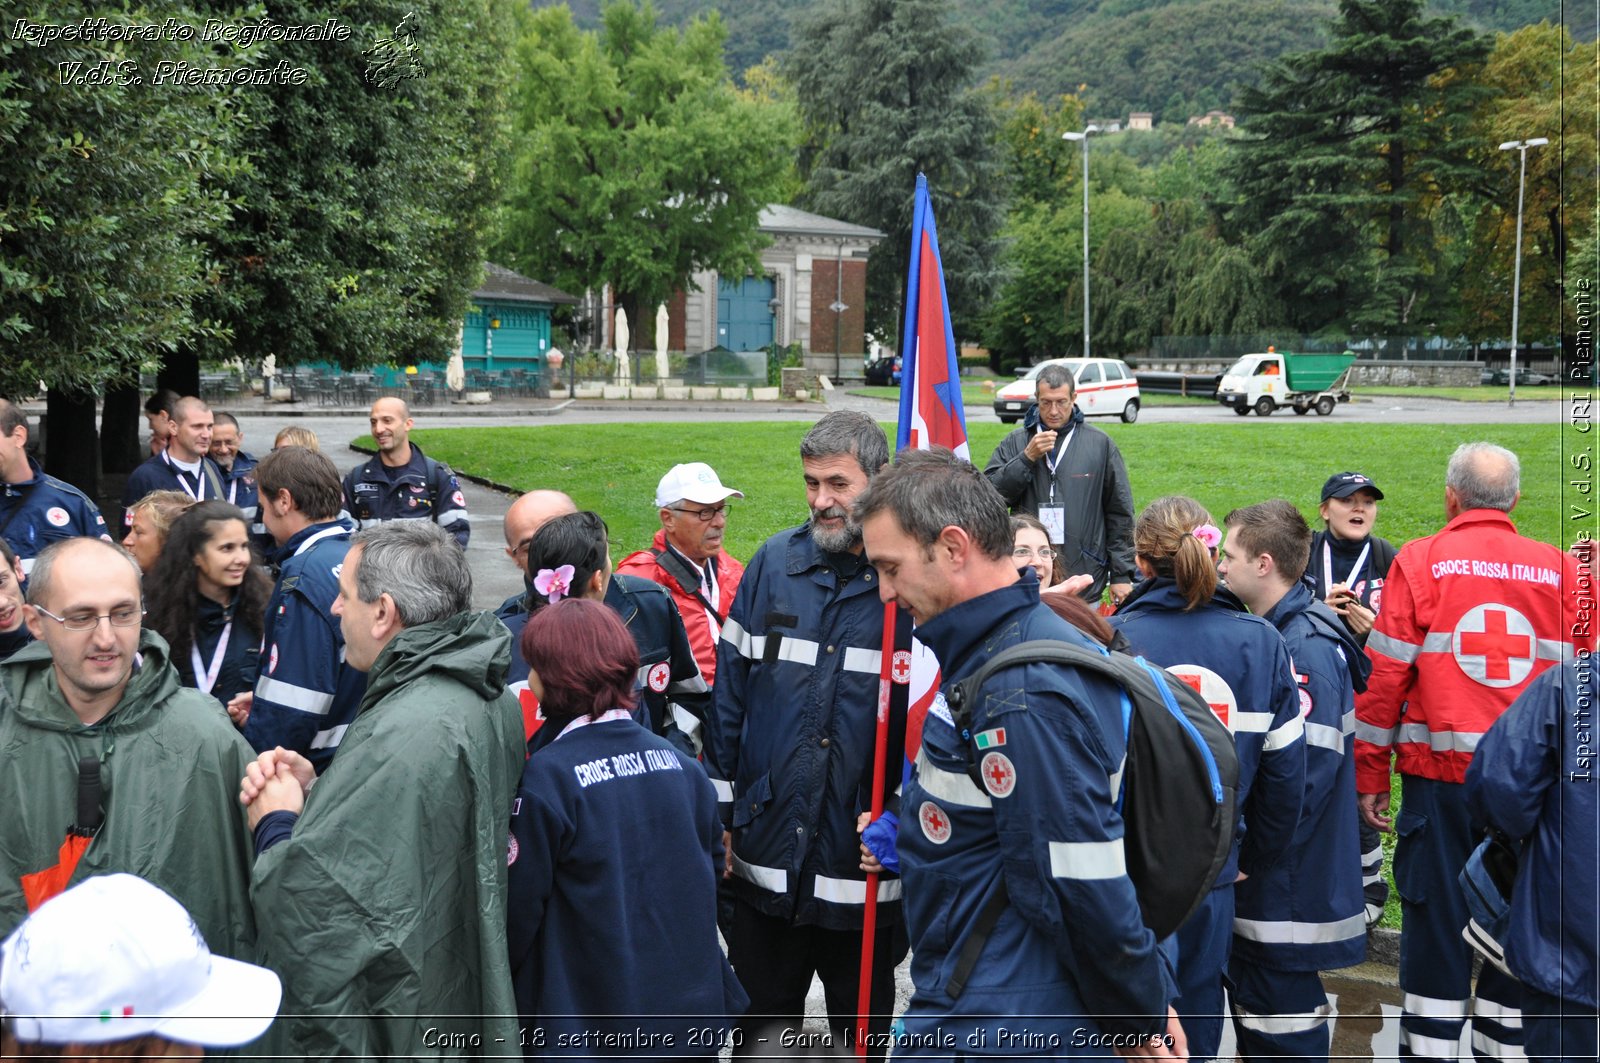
column 638, row 163
column 108, row 186
column 886, row 92
column 1525, row 74
column 362, row 223
column 1350, row 152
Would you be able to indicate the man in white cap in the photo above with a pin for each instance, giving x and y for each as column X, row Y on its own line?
column 116, row 967
column 687, row 557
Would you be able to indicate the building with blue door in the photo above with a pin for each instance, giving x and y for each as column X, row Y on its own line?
column 814, row 265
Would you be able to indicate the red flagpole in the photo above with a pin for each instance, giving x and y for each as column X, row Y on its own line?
column 880, row 755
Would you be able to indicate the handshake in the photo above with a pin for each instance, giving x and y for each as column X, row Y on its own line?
column 276, row 781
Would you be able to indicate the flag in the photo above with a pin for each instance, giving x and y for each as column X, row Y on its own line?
column 931, row 414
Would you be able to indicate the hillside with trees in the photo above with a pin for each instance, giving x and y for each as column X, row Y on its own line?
column 1171, row 57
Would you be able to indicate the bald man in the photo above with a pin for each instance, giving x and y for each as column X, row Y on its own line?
column 402, row 483
column 185, row 465
column 670, row 685
column 162, row 761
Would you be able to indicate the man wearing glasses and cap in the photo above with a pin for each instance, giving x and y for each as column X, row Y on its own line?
column 687, row 556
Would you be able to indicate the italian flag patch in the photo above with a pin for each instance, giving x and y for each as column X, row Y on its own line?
column 990, row 739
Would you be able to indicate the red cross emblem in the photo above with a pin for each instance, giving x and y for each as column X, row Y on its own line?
column 999, row 776
column 658, row 676
column 935, row 824
column 1495, row 645
column 900, row 667
column 1212, row 688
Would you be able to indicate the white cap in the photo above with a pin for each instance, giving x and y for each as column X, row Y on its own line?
column 694, row 482
column 116, row 958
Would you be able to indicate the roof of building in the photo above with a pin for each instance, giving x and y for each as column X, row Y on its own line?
column 777, row 218
column 502, row 283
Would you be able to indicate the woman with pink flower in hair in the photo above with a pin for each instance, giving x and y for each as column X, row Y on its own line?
column 1180, row 618
column 570, row 557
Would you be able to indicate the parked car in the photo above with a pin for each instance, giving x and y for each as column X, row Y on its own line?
column 1525, row 377
column 1105, row 388
column 884, row 371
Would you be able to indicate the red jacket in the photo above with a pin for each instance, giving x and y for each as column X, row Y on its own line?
column 1470, row 616
column 703, row 630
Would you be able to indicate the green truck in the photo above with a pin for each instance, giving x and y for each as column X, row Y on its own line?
column 1303, row 382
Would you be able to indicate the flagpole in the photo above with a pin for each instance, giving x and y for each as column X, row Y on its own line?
column 880, row 756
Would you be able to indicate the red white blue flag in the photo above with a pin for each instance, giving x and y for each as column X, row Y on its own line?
column 930, row 407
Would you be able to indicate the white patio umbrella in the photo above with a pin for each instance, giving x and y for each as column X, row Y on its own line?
column 455, row 372
column 622, row 346
column 662, row 321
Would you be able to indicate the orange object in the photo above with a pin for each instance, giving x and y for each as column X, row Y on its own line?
column 40, row 886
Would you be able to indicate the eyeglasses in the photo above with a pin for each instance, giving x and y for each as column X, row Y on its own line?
column 1054, row 404
column 122, row 616
column 1023, row 553
column 704, row 515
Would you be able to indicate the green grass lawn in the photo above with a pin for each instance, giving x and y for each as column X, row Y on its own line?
column 614, row 470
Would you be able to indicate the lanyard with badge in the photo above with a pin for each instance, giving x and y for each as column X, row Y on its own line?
column 1355, row 569
column 1052, row 516
column 206, row 677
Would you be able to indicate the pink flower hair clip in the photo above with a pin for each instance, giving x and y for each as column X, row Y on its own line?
column 1208, row 535
column 554, row 583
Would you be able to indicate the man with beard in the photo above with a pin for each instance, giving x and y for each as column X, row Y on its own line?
column 790, row 749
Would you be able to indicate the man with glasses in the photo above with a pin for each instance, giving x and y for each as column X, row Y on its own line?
column 687, row 556
column 96, row 699
column 1071, row 477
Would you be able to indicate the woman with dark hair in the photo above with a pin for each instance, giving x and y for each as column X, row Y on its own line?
column 616, row 846
column 1179, row 619
column 13, row 631
column 570, row 557
column 208, row 598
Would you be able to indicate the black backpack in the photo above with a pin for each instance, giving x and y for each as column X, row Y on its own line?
column 1180, row 782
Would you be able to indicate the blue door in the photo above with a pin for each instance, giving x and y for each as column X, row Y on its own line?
column 744, row 318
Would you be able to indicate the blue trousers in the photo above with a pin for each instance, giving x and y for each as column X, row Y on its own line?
column 1557, row 1029
column 1199, row 953
column 1277, row 1013
column 1435, row 962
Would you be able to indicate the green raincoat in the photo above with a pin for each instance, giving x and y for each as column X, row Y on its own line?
column 385, row 911
column 170, row 764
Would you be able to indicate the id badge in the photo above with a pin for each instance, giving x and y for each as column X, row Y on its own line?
column 1054, row 519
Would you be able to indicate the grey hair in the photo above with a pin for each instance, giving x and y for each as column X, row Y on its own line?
column 416, row 563
column 848, row 432
column 44, row 566
column 1056, row 376
column 1484, row 476
column 927, row 491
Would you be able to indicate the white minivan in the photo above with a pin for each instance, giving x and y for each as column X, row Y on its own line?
column 1105, row 387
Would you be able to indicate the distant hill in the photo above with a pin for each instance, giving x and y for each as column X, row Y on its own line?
column 1172, row 57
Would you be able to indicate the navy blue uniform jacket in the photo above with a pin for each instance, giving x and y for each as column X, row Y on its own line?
column 1069, row 951
column 616, row 848
column 1533, row 777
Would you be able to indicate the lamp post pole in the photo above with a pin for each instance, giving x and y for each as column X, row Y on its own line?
column 1084, row 136
column 1521, row 148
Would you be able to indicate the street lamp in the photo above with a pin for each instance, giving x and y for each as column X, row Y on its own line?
column 1521, row 148
column 1084, row 136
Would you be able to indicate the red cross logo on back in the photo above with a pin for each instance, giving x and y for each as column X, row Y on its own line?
column 1495, row 645
column 1196, row 681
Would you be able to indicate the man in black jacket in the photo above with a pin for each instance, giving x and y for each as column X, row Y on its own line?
column 1071, row 477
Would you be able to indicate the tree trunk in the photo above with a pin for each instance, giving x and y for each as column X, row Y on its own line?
column 180, row 371
column 121, row 443
column 71, row 443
